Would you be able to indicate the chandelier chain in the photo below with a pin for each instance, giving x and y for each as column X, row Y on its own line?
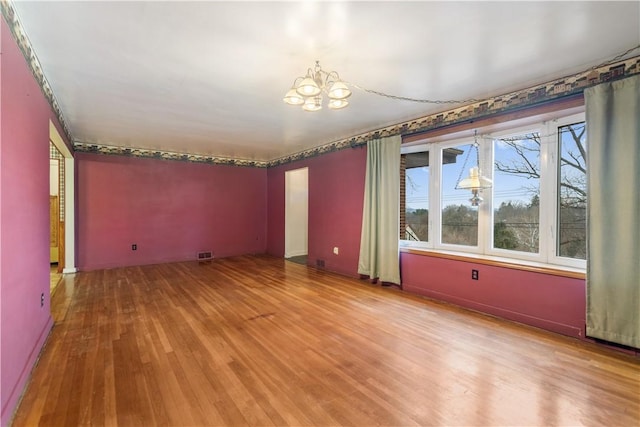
column 530, row 135
column 462, row 169
column 474, row 100
column 466, row 159
column 406, row 98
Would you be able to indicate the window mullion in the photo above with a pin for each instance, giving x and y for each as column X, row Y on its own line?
column 435, row 214
column 485, row 227
column 548, row 192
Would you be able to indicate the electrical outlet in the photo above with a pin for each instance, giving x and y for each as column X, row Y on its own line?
column 134, row 247
column 42, row 299
column 336, row 250
column 474, row 274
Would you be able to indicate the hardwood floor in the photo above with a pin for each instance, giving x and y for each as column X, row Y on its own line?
column 260, row 341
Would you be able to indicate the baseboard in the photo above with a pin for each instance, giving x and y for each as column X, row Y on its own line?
column 297, row 253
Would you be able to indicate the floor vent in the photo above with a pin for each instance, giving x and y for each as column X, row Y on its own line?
column 205, row 256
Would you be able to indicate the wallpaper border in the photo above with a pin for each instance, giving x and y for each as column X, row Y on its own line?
column 531, row 96
column 528, row 97
column 85, row 147
column 534, row 95
column 11, row 18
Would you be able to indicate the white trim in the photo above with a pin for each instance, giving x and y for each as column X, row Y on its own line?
column 295, row 253
column 503, row 259
column 69, row 200
column 538, row 256
column 554, row 258
column 296, row 212
column 439, row 244
column 69, row 216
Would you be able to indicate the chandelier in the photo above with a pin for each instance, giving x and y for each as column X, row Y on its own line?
column 307, row 91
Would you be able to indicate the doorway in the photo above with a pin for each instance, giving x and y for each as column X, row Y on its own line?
column 62, row 208
column 296, row 215
column 56, row 217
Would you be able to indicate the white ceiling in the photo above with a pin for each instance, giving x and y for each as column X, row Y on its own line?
column 208, row 77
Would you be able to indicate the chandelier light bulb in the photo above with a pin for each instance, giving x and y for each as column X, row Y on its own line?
column 339, row 90
column 308, row 87
column 293, row 97
column 472, row 181
column 336, row 104
column 313, row 103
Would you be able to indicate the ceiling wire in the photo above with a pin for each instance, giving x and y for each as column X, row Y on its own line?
column 474, row 100
column 535, row 135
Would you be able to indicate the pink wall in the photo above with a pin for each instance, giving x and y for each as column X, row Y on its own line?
column 336, row 190
column 550, row 302
column 169, row 209
column 24, row 221
column 172, row 210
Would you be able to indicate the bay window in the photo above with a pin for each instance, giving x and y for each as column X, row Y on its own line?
column 534, row 210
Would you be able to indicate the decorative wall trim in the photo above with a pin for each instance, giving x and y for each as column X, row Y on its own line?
column 10, row 17
column 85, row 147
column 531, row 96
column 528, row 97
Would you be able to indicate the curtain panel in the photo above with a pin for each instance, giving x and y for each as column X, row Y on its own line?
column 379, row 252
column 613, row 211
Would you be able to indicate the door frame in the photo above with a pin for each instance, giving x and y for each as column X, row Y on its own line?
column 69, row 200
column 296, row 212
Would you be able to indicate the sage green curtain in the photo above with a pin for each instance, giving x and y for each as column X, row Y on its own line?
column 613, row 211
column 379, row 257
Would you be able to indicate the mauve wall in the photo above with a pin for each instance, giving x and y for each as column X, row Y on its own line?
column 336, row 189
column 549, row 302
column 170, row 210
column 24, row 221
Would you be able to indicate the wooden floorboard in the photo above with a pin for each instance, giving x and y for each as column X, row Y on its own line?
column 259, row 341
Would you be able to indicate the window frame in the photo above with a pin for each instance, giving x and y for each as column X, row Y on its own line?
column 508, row 253
column 549, row 179
column 439, row 244
column 553, row 256
column 422, row 148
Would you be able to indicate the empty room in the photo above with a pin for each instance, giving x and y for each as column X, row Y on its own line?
column 319, row 213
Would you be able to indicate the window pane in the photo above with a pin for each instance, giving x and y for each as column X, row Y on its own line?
column 459, row 218
column 516, row 193
column 572, row 203
column 416, row 214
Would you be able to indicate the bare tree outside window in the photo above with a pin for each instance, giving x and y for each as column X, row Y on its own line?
column 516, row 193
column 572, row 192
